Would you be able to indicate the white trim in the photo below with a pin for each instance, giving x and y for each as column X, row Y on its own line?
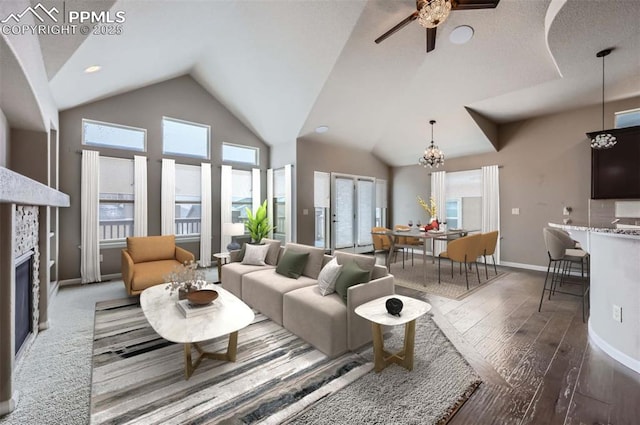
column 7, row 406
column 524, row 266
column 614, row 353
column 113, row 243
column 77, row 280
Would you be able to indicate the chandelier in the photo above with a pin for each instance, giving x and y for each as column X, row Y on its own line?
column 432, row 155
column 432, row 13
column 603, row 140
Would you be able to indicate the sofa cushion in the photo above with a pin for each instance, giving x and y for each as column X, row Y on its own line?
column 316, row 255
column 151, row 248
column 274, row 250
column 366, row 262
column 328, row 276
column 263, row 290
column 232, row 276
column 255, row 255
column 151, row 273
column 351, row 275
column 319, row 320
column 292, row 263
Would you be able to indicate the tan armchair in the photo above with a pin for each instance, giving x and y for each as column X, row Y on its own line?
column 148, row 259
column 489, row 242
column 464, row 250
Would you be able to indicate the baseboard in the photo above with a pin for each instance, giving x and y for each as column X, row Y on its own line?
column 614, row 353
column 77, row 280
column 523, row 266
column 7, row 406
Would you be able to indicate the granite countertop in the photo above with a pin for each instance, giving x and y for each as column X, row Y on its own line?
column 586, row 228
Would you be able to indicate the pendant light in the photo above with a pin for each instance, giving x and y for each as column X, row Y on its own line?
column 432, row 155
column 603, row 140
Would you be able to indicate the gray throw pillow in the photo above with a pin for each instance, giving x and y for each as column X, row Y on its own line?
column 255, row 254
column 292, row 263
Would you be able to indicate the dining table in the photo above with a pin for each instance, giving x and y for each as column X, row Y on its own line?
column 428, row 240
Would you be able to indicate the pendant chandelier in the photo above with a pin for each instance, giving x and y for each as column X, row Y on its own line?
column 432, row 13
column 603, row 140
column 432, row 156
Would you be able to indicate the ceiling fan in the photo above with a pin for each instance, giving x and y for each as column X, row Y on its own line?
column 431, row 13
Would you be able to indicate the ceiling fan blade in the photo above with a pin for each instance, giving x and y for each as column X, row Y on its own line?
column 473, row 4
column 397, row 28
column 431, row 39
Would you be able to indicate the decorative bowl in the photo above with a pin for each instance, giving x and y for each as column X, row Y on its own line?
column 202, row 296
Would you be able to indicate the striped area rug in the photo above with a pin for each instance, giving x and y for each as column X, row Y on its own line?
column 138, row 377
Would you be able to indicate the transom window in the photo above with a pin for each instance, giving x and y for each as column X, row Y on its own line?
column 96, row 133
column 185, row 138
column 240, row 153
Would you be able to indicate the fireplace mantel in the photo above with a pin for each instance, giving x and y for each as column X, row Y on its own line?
column 18, row 189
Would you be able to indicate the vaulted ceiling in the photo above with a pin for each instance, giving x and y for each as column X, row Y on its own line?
column 286, row 67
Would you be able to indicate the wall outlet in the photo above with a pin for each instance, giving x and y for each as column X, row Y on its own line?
column 515, row 211
column 305, row 211
column 617, row 313
column 101, row 258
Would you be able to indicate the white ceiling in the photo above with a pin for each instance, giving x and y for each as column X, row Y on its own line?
column 285, row 67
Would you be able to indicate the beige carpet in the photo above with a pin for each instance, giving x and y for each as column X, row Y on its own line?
column 450, row 287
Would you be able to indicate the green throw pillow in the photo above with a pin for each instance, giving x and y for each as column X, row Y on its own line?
column 351, row 275
column 292, row 263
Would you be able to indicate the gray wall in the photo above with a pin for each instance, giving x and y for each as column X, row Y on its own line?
column 4, row 141
column 546, row 165
column 407, row 184
column 314, row 156
column 181, row 98
column 29, row 154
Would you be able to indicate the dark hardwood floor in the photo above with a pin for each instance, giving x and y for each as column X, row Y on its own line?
column 537, row 368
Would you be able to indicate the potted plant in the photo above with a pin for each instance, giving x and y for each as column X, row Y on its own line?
column 257, row 223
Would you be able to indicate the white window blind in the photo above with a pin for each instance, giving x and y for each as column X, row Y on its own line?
column 366, row 192
column 381, row 194
column 321, row 191
column 464, row 184
column 116, row 194
column 116, row 178
column 187, row 183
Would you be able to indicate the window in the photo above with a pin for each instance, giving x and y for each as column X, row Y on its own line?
column 241, row 195
column 279, row 205
column 321, row 202
column 381, row 203
column 628, row 118
column 185, row 138
column 116, row 198
column 239, row 153
column 464, row 199
column 454, row 213
column 96, row 133
column 187, row 200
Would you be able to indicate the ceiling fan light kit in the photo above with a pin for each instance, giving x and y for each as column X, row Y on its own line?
column 603, row 140
column 432, row 156
column 432, row 13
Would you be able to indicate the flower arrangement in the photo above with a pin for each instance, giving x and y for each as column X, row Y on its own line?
column 430, row 208
column 185, row 278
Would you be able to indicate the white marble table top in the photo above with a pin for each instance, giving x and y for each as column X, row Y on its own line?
column 228, row 315
column 376, row 310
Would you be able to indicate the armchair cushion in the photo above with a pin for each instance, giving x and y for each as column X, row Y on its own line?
column 151, row 248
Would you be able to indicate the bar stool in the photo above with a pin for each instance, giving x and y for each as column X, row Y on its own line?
column 562, row 255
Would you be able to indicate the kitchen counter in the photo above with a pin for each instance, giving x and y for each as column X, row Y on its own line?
column 615, row 281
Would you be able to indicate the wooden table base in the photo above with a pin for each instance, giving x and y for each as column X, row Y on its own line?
column 229, row 356
column 402, row 358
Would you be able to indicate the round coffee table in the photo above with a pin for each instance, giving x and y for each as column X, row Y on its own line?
column 376, row 312
column 228, row 315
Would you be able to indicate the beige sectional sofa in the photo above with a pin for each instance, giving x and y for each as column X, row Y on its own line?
column 323, row 321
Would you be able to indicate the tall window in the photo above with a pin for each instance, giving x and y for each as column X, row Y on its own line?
column 381, row 203
column 116, row 198
column 240, row 154
column 188, row 199
column 464, row 199
column 241, row 195
column 279, row 205
column 96, row 133
column 321, row 203
column 185, row 138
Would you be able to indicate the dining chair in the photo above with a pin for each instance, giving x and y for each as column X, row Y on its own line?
column 489, row 242
column 383, row 241
column 406, row 243
column 561, row 255
column 463, row 250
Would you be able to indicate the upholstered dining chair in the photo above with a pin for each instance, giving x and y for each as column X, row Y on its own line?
column 383, row 241
column 406, row 243
column 489, row 242
column 463, row 250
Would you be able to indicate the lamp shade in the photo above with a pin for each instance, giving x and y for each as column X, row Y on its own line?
column 233, row 229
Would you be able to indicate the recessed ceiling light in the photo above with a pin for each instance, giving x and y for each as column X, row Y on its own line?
column 461, row 34
column 92, row 68
column 322, row 129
